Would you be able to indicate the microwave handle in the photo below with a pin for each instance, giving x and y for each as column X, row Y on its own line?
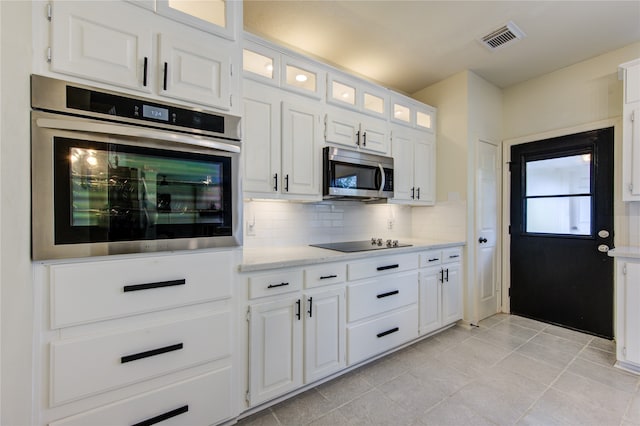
column 382, row 182
column 134, row 132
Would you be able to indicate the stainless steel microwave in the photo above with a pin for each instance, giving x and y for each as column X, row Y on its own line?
column 351, row 174
column 115, row 174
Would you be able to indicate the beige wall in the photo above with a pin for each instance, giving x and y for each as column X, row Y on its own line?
column 15, row 267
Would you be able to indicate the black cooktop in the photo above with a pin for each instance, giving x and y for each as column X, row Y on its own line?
column 354, row 246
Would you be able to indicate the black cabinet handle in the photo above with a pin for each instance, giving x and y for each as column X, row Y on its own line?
column 418, row 193
column 286, row 183
column 453, row 256
column 153, row 352
column 441, row 275
column 277, row 285
column 275, row 182
column 144, row 71
column 391, row 293
column 433, row 259
column 364, row 139
column 147, row 286
column 413, row 192
column 384, row 333
column 163, row 417
column 358, row 138
column 298, row 308
column 326, row 277
column 384, row 268
column 481, row 240
column 447, row 277
column 164, row 80
column 310, row 311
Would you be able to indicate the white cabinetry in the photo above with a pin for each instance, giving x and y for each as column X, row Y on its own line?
column 217, row 17
column 440, row 289
column 357, row 131
column 115, row 43
column 295, row 337
column 630, row 73
column 414, row 166
column 139, row 339
column 281, row 144
column 627, row 327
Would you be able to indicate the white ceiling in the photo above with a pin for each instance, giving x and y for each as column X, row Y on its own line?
column 409, row 45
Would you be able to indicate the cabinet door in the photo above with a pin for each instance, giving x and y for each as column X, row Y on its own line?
column 634, row 144
column 631, row 301
column 106, row 44
column 430, row 297
column 342, row 129
column 261, row 139
column 402, row 150
column 424, row 172
column 451, row 294
column 324, row 333
column 194, row 70
column 300, row 130
column 217, row 17
column 275, row 349
column 374, row 135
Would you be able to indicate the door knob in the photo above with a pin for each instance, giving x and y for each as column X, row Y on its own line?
column 482, row 240
column 603, row 248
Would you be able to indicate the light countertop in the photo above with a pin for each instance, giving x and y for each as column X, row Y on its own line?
column 264, row 258
column 630, row 252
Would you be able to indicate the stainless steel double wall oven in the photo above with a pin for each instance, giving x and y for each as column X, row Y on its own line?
column 112, row 173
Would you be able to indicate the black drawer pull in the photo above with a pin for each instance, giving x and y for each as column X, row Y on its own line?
column 277, row 285
column 144, row 71
column 164, row 79
column 152, row 352
column 433, row 260
column 453, row 256
column 391, row 293
column 163, row 417
column 159, row 284
column 384, row 333
column 384, row 268
column 326, row 277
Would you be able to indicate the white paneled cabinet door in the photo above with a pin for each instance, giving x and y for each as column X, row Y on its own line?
column 402, row 150
column 275, row 349
column 451, row 294
column 424, row 172
column 194, row 70
column 374, row 135
column 261, row 139
column 111, row 45
column 300, row 133
column 324, row 333
column 430, row 296
column 343, row 129
column 631, row 301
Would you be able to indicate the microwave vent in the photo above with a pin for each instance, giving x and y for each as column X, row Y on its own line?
column 507, row 34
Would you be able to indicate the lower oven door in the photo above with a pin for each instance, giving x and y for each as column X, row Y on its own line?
column 123, row 189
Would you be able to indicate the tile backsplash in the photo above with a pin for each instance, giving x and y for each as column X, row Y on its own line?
column 273, row 223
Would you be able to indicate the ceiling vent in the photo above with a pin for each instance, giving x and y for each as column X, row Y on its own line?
column 504, row 36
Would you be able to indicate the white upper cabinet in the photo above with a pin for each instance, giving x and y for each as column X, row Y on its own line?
column 414, row 166
column 630, row 73
column 261, row 64
column 409, row 112
column 358, row 95
column 218, row 17
column 302, row 77
column 118, row 44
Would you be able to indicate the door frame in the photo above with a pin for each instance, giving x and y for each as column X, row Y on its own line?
column 618, row 224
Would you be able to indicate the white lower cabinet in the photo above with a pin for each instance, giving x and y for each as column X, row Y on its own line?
column 627, row 327
column 135, row 340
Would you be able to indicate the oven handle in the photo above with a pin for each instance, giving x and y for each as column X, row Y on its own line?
column 382, row 177
column 135, row 132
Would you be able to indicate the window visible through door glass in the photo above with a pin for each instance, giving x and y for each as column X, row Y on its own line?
column 558, row 195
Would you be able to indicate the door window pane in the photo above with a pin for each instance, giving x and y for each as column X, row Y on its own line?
column 558, row 195
column 423, row 119
column 402, row 113
column 343, row 93
column 373, row 103
column 257, row 63
column 213, row 11
column 300, row 78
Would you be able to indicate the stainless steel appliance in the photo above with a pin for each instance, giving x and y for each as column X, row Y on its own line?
column 356, row 175
column 367, row 245
column 112, row 173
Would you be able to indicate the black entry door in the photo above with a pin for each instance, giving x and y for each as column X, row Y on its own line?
column 561, row 227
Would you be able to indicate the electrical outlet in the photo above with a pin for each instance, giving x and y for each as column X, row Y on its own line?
column 389, row 224
column 251, row 229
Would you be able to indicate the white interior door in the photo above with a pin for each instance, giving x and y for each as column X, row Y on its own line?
column 487, row 282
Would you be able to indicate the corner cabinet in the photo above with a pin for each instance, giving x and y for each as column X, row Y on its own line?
column 414, row 165
column 115, row 43
column 630, row 73
column 627, row 325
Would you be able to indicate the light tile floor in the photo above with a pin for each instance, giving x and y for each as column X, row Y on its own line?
column 509, row 370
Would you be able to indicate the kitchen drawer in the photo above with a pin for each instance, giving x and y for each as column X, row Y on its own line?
column 93, row 291
column 452, row 255
column 332, row 273
column 381, row 265
column 430, row 258
column 384, row 294
column 202, row 400
column 89, row 365
column 275, row 283
column 376, row 336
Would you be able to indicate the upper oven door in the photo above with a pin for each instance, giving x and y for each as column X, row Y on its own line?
column 99, row 189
